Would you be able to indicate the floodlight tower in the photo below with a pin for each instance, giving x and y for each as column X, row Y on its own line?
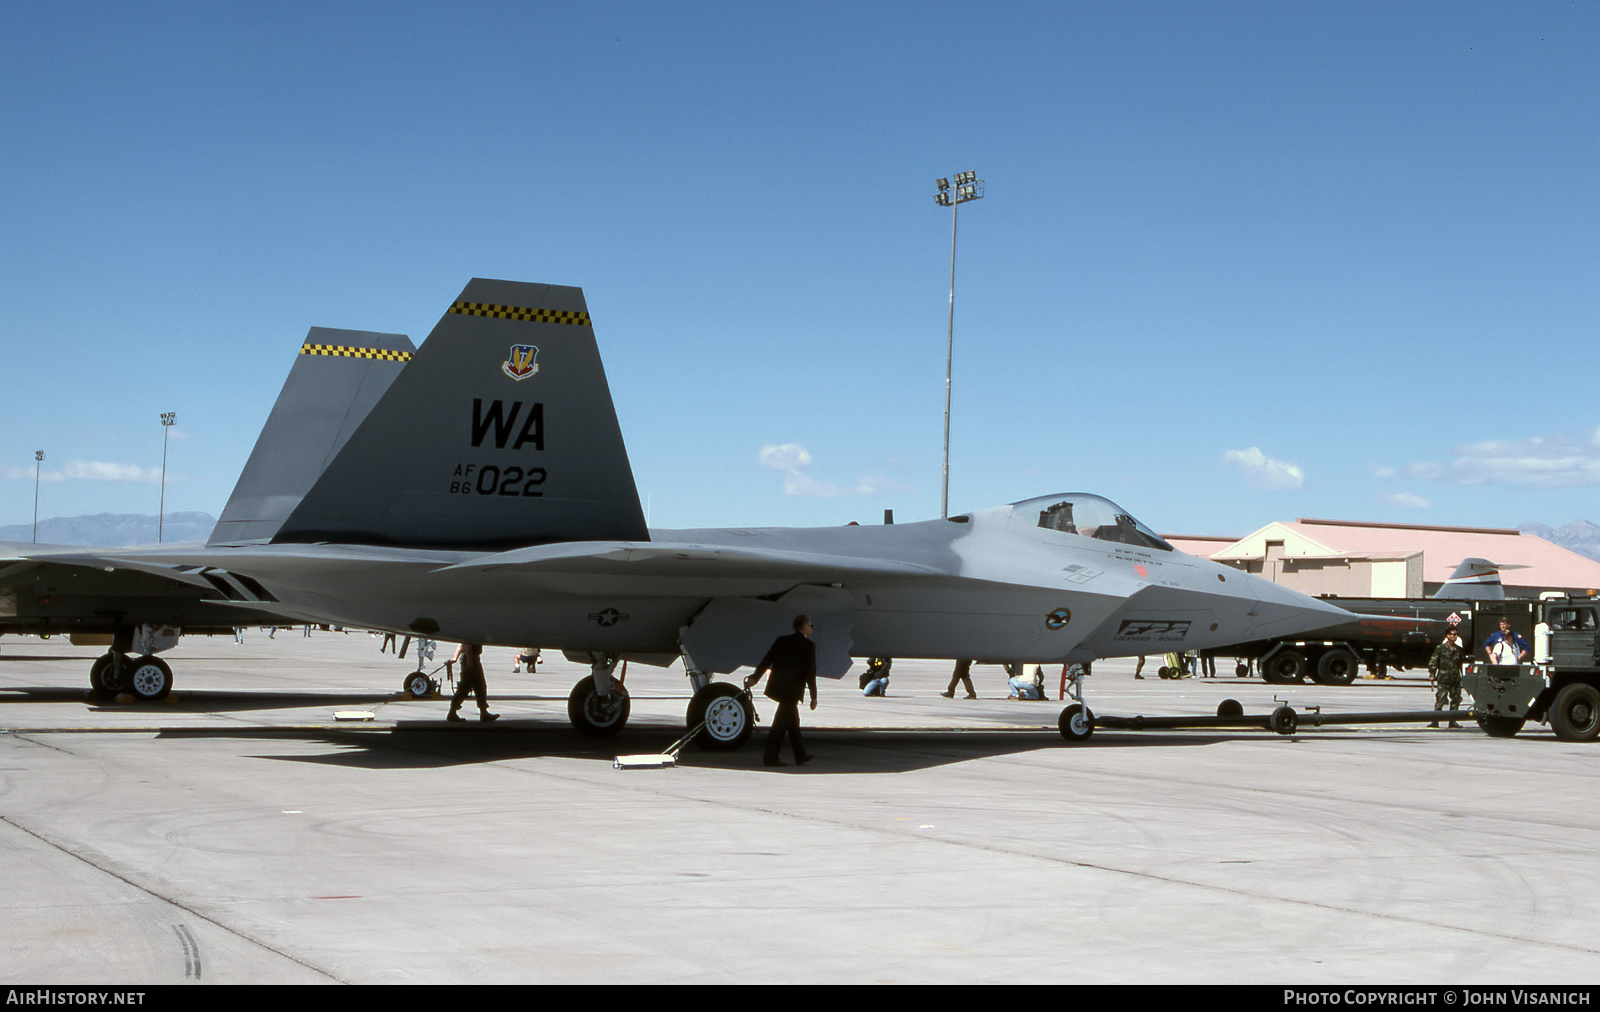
column 38, row 461
column 967, row 187
column 168, row 419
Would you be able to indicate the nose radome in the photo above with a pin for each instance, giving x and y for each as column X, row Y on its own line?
column 1283, row 612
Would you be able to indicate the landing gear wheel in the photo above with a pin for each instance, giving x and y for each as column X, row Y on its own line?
column 1337, row 667
column 1499, row 727
column 1077, row 723
column 149, row 678
column 594, row 715
column 1284, row 667
column 418, row 685
column 1230, row 708
column 728, row 716
column 1283, row 720
column 1575, row 715
column 1241, row 670
column 103, row 680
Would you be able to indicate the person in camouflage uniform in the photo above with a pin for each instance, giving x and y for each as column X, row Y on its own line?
column 1444, row 671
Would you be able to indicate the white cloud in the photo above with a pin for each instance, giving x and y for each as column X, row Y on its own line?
column 92, row 470
column 787, row 457
column 795, row 462
column 1558, row 461
column 1262, row 471
column 1405, row 499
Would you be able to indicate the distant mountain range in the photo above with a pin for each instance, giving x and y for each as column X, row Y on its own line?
column 1579, row 536
column 114, row 530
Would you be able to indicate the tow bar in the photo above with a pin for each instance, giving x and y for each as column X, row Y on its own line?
column 1283, row 720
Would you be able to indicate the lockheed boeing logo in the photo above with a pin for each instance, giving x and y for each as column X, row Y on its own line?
column 1153, row 630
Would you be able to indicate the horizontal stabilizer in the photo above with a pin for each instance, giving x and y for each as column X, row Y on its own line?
column 500, row 432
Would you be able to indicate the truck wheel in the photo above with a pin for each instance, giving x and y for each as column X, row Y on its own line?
column 1499, row 727
column 1284, row 667
column 1575, row 715
column 1337, row 667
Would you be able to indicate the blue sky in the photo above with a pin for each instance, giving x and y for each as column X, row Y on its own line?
column 1237, row 262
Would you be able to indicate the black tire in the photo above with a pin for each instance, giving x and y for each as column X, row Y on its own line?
column 1284, row 667
column 594, row 716
column 102, row 679
column 1164, row 672
column 149, row 678
column 1077, row 723
column 1283, row 720
column 727, row 713
column 1499, row 727
column 1337, row 667
column 1575, row 715
column 418, row 685
column 1230, row 708
column 1241, row 670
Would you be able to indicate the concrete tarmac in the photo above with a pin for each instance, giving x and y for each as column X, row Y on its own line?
column 237, row 834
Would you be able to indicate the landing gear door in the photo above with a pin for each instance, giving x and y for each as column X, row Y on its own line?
column 734, row 632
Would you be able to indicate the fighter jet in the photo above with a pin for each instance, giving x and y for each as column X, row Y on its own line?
column 337, row 377
column 488, row 498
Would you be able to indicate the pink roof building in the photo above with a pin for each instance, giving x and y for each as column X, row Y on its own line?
column 1353, row 558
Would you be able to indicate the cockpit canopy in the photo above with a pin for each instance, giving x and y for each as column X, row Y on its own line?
column 1088, row 516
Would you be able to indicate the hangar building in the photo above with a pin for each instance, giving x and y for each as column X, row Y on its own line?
column 1355, row 558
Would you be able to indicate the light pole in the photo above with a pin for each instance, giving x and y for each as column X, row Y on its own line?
column 38, row 460
column 168, row 419
column 967, row 187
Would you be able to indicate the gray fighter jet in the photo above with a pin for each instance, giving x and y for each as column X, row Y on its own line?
column 488, row 498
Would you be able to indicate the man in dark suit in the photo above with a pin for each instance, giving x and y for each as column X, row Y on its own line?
column 792, row 660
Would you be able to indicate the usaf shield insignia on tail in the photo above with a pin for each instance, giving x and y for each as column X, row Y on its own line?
column 520, row 364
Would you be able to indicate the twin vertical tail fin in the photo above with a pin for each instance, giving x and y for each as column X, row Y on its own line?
column 1474, row 580
column 336, row 379
column 499, row 432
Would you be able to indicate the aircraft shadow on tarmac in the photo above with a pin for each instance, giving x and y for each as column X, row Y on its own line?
column 838, row 751
column 225, row 701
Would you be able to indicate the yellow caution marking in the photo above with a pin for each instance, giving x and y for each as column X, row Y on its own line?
column 349, row 351
column 573, row 317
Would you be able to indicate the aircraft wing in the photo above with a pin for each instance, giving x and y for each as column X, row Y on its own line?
column 656, row 558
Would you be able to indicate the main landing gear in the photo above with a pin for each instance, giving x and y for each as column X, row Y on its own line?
column 598, row 706
column 721, row 715
column 148, row 677
column 131, row 665
column 420, row 685
column 727, row 716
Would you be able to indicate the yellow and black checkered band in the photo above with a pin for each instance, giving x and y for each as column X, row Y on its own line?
column 518, row 313
column 347, row 351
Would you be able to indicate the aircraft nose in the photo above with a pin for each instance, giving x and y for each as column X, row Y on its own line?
column 1279, row 611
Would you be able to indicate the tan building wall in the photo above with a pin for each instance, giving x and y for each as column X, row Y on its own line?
column 1341, row 577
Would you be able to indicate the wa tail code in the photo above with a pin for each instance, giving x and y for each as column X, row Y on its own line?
column 532, row 430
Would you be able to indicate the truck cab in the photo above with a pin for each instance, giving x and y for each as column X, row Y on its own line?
column 1560, row 687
